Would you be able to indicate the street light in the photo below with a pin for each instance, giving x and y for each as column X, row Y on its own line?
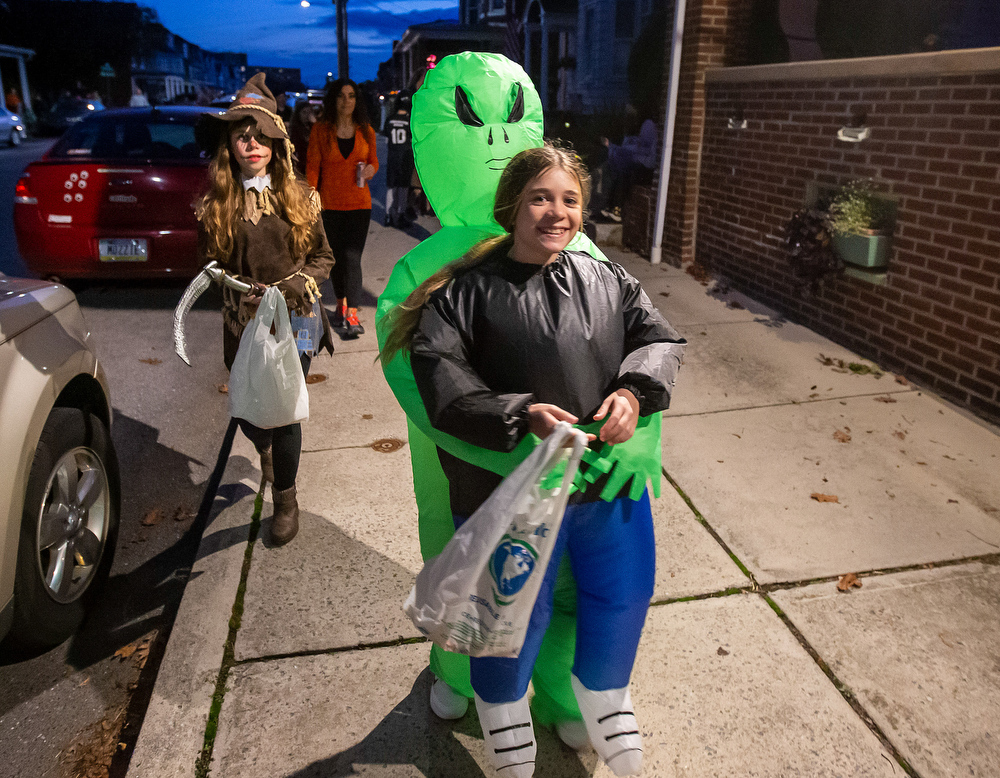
column 342, row 63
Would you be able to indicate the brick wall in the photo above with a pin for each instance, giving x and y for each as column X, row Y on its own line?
column 934, row 147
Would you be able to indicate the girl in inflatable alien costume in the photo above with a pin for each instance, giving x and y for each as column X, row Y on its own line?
column 475, row 104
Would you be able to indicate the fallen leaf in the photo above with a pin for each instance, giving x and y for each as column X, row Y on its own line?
column 153, row 516
column 735, row 435
column 842, row 436
column 735, row 305
column 722, row 652
column 900, row 434
column 824, row 497
column 664, row 294
column 954, row 501
column 814, row 394
column 367, row 416
column 183, row 513
column 223, row 388
column 315, row 378
column 902, row 380
column 85, row 681
column 125, row 652
column 152, row 361
column 884, row 398
column 846, row 582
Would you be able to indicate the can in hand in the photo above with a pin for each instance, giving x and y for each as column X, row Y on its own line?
column 359, row 174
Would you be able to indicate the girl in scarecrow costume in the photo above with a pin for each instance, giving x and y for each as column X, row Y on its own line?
column 263, row 225
column 515, row 337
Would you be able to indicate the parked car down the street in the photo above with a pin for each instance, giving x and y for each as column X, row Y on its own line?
column 113, row 198
column 64, row 113
column 12, row 129
column 59, row 480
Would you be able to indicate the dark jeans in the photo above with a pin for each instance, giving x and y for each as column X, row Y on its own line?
column 285, row 443
column 347, row 232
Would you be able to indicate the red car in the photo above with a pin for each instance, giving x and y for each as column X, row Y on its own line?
column 113, row 198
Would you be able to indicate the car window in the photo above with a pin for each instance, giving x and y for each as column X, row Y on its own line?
column 129, row 138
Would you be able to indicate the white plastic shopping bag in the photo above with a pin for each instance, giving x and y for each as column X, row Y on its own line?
column 477, row 595
column 266, row 385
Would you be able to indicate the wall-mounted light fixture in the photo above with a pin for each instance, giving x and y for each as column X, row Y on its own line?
column 856, row 130
column 736, row 124
column 853, row 134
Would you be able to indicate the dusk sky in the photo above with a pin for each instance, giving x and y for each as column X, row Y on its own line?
column 284, row 34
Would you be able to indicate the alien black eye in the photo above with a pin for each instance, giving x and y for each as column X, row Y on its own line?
column 517, row 111
column 464, row 109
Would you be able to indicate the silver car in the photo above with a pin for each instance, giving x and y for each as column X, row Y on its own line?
column 59, row 482
column 11, row 127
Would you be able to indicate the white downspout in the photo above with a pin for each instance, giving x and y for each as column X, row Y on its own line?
column 656, row 253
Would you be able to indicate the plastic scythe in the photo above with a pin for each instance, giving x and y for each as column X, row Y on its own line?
column 201, row 282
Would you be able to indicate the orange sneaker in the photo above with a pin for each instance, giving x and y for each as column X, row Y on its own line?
column 354, row 327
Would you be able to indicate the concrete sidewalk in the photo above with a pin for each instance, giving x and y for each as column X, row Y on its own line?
column 751, row 663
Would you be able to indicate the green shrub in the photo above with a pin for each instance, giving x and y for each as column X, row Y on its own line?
column 857, row 209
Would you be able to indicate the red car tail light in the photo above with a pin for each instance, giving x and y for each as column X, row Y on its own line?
column 22, row 194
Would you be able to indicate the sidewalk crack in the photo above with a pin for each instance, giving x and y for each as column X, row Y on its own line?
column 203, row 764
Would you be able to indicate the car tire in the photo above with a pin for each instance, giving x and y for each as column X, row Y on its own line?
column 69, row 523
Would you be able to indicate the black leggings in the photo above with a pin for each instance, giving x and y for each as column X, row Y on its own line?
column 285, row 443
column 347, row 232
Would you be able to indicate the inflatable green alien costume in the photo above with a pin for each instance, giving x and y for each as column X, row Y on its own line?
column 472, row 115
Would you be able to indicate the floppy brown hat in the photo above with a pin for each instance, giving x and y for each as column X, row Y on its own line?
column 253, row 101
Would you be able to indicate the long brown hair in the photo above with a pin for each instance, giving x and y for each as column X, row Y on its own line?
column 360, row 115
column 403, row 320
column 221, row 207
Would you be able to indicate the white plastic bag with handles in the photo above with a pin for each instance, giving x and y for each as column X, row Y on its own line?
column 266, row 385
column 477, row 595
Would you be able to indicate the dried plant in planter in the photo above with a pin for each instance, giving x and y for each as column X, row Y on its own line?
column 809, row 247
column 857, row 209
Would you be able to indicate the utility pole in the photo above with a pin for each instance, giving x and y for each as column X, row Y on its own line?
column 342, row 66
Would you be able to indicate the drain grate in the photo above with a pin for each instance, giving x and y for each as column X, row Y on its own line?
column 387, row 445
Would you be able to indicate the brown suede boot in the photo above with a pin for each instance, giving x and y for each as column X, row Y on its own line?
column 285, row 524
column 267, row 465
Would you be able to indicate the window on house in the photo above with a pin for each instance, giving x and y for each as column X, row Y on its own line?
column 625, row 19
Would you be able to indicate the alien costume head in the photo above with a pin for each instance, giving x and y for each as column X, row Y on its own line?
column 473, row 113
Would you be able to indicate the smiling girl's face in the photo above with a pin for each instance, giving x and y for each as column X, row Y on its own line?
column 251, row 149
column 550, row 214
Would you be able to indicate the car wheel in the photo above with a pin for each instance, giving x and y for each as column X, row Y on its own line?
column 68, row 528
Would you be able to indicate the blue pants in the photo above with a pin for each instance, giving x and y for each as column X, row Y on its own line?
column 613, row 556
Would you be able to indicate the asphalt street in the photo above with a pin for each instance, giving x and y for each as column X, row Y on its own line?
column 170, row 423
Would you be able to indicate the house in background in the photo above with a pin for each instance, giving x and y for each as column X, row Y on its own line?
column 576, row 51
column 79, row 44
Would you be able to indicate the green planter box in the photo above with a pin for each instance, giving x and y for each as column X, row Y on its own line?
column 863, row 250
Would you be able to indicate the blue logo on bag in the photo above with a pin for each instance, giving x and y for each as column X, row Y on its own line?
column 511, row 566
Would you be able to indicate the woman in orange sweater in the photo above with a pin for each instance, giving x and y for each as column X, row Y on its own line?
column 340, row 163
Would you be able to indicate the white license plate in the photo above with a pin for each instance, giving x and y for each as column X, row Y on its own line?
column 123, row 249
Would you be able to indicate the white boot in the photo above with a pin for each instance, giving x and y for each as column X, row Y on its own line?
column 508, row 736
column 446, row 703
column 611, row 726
column 573, row 732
